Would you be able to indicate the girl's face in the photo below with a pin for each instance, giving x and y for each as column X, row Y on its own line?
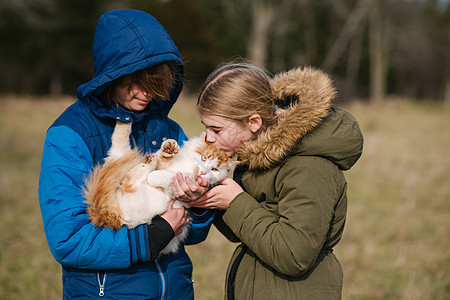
column 133, row 99
column 226, row 134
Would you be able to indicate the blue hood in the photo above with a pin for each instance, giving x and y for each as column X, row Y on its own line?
column 127, row 41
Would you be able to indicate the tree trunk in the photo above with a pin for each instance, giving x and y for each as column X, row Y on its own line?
column 281, row 27
column 447, row 93
column 377, row 53
column 353, row 63
column 309, row 31
column 262, row 17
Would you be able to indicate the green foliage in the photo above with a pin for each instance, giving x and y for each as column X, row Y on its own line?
column 186, row 22
column 46, row 44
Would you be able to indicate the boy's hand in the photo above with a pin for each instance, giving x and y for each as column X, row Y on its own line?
column 176, row 217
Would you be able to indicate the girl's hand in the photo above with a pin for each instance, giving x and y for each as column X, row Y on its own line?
column 176, row 217
column 219, row 197
column 187, row 190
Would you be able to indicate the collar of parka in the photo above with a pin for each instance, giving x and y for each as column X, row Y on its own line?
column 306, row 95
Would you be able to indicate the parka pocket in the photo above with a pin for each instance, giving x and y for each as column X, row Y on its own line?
column 78, row 284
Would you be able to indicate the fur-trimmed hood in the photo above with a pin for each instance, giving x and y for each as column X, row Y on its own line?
column 308, row 126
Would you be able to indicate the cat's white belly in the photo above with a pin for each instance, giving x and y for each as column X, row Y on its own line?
column 143, row 205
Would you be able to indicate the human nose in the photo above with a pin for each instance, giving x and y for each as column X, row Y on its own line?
column 138, row 91
column 209, row 137
column 146, row 94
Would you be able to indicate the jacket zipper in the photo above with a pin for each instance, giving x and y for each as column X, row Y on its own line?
column 101, row 284
column 161, row 275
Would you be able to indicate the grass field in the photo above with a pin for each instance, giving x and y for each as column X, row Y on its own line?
column 397, row 239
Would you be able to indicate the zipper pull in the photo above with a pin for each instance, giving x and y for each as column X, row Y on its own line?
column 101, row 284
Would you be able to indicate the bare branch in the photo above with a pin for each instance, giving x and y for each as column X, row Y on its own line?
column 352, row 23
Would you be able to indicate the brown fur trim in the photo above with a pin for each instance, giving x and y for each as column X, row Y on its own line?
column 315, row 92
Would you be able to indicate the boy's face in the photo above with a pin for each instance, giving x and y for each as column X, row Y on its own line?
column 133, row 98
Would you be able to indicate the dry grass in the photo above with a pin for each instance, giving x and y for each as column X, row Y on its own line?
column 397, row 237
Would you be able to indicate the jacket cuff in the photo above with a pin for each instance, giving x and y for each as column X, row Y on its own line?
column 200, row 223
column 200, row 215
column 160, row 233
column 139, row 245
column 146, row 241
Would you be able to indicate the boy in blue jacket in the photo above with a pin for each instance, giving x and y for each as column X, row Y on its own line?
column 138, row 77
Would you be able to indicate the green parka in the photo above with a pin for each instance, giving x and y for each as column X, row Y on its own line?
column 293, row 210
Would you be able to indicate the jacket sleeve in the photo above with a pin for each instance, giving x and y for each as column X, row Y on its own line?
column 291, row 240
column 200, row 223
column 72, row 238
column 223, row 227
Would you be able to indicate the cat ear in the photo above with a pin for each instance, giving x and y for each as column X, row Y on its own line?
column 231, row 163
column 203, row 136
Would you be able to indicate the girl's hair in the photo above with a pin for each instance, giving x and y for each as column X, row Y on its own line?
column 155, row 81
column 237, row 91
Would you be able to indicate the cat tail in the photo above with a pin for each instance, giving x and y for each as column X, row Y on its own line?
column 104, row 186
column 120, row 140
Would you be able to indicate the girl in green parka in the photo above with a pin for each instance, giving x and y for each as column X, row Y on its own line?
column 287, row 200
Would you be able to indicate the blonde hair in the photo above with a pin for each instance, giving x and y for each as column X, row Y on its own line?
column 236, row 92
column 156, row 81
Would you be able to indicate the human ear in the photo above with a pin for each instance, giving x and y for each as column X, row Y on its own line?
column 255, row 122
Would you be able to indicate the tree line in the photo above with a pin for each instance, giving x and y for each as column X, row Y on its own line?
column 371, row 47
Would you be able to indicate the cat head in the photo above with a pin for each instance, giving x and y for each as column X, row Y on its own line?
column 212, row 163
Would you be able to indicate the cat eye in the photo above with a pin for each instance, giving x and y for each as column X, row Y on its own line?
column 215, row 170
column 203, row 158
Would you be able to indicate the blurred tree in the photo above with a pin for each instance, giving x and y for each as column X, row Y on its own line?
column 355, row 47
column 18, row 35
column 349, row 40
column 67, row 42
column 262, row 26
column 377, row 52
column 188, row 25
column 9, row 19
column 371, row 47
column 47, row 44
column 310, row 32
column 262, row 16
column 352, row 21
column 419, row 54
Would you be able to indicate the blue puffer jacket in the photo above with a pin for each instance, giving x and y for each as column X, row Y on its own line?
column 96, row 261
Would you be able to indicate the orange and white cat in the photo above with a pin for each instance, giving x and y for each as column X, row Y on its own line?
column 131, row 188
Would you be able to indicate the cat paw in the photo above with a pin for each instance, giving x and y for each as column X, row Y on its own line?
column 149, row 158
column 169, row 148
